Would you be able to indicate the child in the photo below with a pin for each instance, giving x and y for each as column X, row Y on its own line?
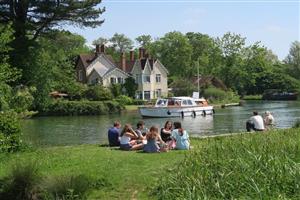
column 181, row 137
column 128, row 139
column 152, row 138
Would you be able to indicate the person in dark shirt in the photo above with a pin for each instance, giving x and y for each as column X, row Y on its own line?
column 114, row 134
column 165, row 132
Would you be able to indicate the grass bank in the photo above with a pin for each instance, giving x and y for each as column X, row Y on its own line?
column 259, row 166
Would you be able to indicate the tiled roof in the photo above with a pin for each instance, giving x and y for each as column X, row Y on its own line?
column 87, row 59
column 129, row 65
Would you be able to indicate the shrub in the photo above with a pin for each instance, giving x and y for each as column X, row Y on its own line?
column 68, row 187
column 98, row 93
column 138, row 102
column 218, row 95
column 64, row 107
column 10, row 132
column 124, row 100
column 297, row 124
column 5, row 96
column 22, row 99
column 21, row 183
column 116, row 90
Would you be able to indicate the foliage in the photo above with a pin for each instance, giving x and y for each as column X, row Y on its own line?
column 183, row 87
column 124, row 100
column 260, row 166
column 65, row 107
column 22, row 99
column 293, row 60
column 68, row 187
column 144, row 40
column 174, row 51
column 5, row 96
column 116, row 90
column 297, row 124
column 98, row 93
column 10, row 132
column 252, row 97
column 130, row 87
column 121, row 43
column 217, row 95
column 21, row 183
column 100, row 41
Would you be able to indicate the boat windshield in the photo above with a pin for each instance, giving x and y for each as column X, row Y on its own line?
column 161, row 102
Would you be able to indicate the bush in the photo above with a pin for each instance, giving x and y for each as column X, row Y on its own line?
column 297, row 124
column 98, row 93
column 10, row 132
column 138, row 102
column 124, row 100
column 65, row 107
column 21, row 183
column 218, row 95
column 68, row 187
column 22, row 99
column 5, row 96
column 116, row 90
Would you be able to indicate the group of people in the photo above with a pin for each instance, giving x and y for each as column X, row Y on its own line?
column 258, row 123
column 171, row 136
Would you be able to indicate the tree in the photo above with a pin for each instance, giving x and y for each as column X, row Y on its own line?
column 144, row 40
column 121, row 43
column 174, row 51
column 101, row 41
column 34, row 18
column 293, row 60
column 130, row 87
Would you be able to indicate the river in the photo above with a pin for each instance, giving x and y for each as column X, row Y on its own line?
column 56, row 131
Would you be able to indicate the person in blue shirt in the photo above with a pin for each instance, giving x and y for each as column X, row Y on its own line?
column 181, row 137
column 114, row 134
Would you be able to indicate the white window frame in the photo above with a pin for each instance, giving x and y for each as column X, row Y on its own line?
column 158, row 78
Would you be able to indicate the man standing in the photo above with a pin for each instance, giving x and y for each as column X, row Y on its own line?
column 255, row 122
column 114, row 134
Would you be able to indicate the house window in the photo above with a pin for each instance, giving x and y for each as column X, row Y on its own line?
column 158, row 93
column 158, row 78
column 147, row 95
column 146, row 78
column 80, row 75
column 120, row 80
column 113, row 80
column 139, row 95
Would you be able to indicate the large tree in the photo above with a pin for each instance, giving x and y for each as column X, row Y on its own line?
column 293, row 60
column 144, row 40
column 33, row 18
column 121, row 43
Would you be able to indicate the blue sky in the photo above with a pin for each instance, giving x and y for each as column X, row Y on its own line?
column 275, row 23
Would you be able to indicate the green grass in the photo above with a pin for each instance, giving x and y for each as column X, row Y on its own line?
column 131, row 107
column 248, row 166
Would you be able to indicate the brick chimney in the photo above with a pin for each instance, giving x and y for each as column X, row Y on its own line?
column 123, row 61
column 97, row 49
column 141, row 53
column 131, row 55
column 102, row 48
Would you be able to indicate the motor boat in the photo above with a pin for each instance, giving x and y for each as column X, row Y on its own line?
column 177, row 107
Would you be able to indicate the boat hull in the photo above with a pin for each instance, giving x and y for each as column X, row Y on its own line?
column 166, row 112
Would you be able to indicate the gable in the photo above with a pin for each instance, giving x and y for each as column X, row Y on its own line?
column 157, row 66
column 101, row 64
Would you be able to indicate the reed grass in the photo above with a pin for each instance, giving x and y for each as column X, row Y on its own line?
column 259, row 166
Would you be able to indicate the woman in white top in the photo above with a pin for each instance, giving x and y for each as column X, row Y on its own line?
column 128, row 139
column 269, row 120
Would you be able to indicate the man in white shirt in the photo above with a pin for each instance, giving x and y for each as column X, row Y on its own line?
column 255, row 122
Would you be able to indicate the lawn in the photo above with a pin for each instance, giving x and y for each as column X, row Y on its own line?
column 239, row 166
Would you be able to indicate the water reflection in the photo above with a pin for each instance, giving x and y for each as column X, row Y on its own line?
column 93, row 129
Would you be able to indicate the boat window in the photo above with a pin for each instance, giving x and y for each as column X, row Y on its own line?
column 184, row 102
column 177, row 103
column 171, row 102
column 161, row 102
column 190, row 102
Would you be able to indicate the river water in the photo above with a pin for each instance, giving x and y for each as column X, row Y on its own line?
column 56, row 131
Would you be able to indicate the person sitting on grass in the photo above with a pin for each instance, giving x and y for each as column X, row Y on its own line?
column 153, row 138
column 113, row 134
column 165, row 132
column 181, row 137
column 128, row 139
column 255, row 123
column 139, row 130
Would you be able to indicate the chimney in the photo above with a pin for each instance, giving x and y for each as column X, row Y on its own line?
column 102, row 48
column 131, row 55
column 141, row 53
column 123, row 61
column 97, row 49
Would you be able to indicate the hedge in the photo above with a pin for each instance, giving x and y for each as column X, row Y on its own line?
column 65, row 107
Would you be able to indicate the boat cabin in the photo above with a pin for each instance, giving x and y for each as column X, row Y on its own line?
column 180, row 102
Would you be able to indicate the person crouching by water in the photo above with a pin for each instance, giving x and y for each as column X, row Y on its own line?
column 181, row 137
column 128, row 139
column 269, row 120
column 255, row 123
column 153, row 138
column 113, row 134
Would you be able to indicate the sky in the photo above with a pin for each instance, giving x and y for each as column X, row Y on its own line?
column 275, row 23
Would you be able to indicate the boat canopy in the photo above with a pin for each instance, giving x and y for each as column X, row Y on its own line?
column 179, row 102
